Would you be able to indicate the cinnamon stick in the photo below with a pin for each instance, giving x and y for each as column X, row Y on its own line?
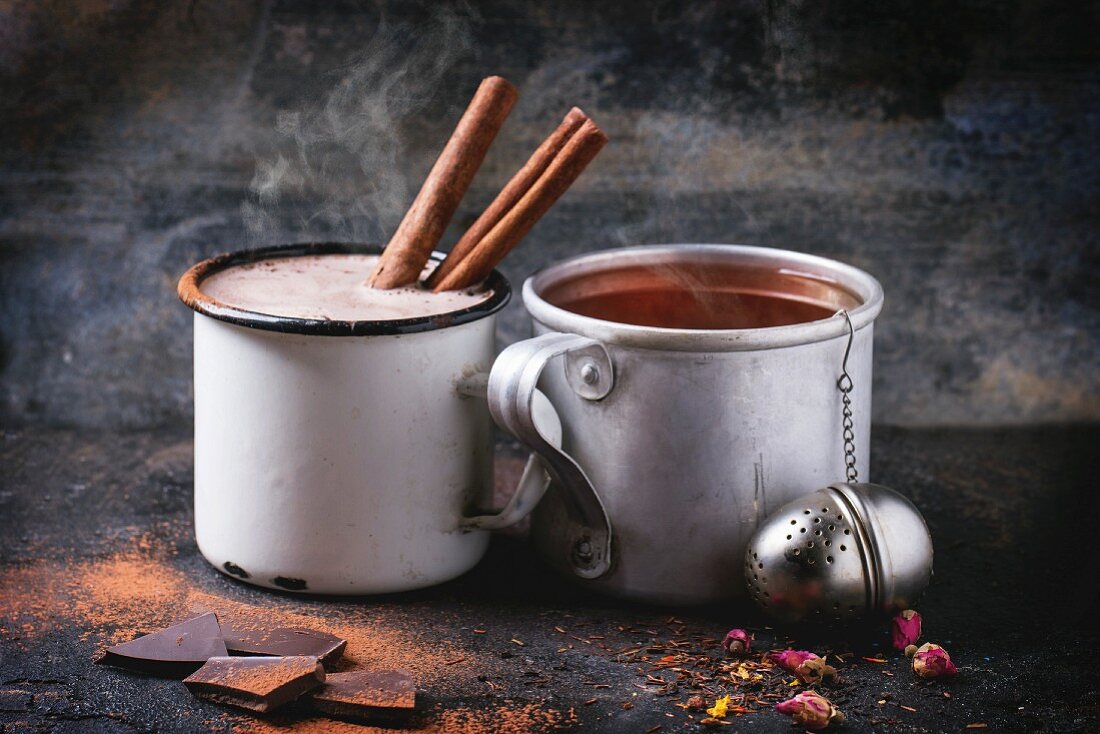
column 563, row 170
column 519, row 184
column 419, row 232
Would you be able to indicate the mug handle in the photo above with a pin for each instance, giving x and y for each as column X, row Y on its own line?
column 514, row 402
column 534, row 481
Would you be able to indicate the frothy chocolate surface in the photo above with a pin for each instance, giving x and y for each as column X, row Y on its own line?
column 328, row 287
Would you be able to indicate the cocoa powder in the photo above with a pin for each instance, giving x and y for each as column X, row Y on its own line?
column 509, row 718
column 138, row 590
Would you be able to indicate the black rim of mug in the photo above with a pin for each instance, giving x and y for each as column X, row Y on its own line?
column 190, row 292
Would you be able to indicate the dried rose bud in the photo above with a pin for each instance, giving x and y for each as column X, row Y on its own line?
column 790, row 659
column 810, row 710
column 932, row 661
column 815, row 671
column 696, row 703
column 910, row 650
column 737, row 642
column 905, row 629
column 806, row 665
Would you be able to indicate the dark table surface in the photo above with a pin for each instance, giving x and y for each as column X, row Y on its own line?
column 97, row 547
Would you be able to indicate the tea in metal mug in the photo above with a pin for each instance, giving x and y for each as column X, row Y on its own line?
column 696, row 387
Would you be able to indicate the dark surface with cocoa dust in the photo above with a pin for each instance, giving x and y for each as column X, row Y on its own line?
column 97, row 549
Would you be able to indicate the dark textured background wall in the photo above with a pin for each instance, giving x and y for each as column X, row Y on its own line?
column 950, row 148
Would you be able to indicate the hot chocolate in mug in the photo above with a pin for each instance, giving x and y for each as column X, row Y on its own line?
column 336, row 454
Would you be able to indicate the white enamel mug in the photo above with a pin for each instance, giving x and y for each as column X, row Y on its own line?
column 340, row 457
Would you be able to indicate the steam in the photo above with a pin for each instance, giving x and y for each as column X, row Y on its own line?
column 337, row 167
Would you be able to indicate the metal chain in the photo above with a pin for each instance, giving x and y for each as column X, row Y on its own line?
column 844, row 384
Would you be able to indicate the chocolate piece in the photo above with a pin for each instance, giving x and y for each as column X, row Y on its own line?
column 174, row 652
column 284, row 641
column 367, row 695
column 257, row 684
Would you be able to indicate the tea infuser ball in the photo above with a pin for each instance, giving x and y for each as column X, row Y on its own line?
column 843, row 552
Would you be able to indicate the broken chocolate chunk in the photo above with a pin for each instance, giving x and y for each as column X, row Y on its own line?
column 258, row 684
column 283, row 641
column 382, row 696
column 174, row 652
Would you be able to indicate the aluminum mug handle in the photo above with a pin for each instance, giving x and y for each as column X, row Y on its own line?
column 513, row 383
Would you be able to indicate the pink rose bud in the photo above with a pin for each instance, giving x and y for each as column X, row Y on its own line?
column 790, row 659
column 810, row 710
column 807, row 666
column 905, row 629
column 737, row 642
column 932, row 661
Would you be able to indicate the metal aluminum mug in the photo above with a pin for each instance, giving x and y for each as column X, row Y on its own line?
column 677, row 442
column 339, row 457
